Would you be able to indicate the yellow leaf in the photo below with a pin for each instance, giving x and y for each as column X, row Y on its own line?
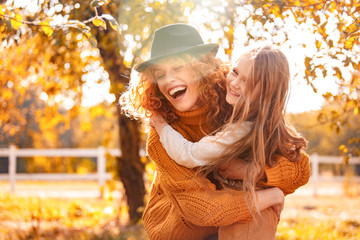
column 91, row 39
column 349, row 43
column 318, row 44
column 157, row 4
column 96, row 111
column 356, row 111
column 114, row 26
column 127, row 63
column 113, row 23
column 297, row 3
column 332, row 7
column 99, row 22
column 7, row 95
column 46, row 29
column 16, row 22
column 353, row 27
column 338, row 72
column 86, row 126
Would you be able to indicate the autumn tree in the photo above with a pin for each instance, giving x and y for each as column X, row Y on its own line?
column 108, row 28
column 335, row 27
column 118, row 34
column 332, row 49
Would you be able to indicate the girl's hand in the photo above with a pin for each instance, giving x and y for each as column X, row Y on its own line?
column 157, row 122
column 234, row 169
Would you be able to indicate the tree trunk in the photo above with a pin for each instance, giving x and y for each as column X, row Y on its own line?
column 130, row 168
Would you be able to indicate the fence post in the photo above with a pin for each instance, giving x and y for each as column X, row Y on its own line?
column 12, row 166
column 315, row 172
column 101, row 166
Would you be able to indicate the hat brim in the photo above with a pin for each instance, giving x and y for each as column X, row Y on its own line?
column 200, row 49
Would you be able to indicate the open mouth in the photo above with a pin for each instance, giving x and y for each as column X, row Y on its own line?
column 234, row 93
column 176, row 92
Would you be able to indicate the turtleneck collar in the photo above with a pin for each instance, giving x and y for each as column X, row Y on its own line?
column 192, row 117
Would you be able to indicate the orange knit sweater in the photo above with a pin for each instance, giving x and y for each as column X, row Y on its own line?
column 182, row 205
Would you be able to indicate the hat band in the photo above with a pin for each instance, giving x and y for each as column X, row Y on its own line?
column 170, row 51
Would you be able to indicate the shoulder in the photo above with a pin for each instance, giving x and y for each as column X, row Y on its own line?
column 153, row 136
column 242, row 128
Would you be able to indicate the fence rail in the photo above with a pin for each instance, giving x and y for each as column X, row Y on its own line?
column 99, row 153
column 316, row 160
column 101, row 175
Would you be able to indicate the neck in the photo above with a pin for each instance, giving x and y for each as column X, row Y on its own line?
column 193, row 117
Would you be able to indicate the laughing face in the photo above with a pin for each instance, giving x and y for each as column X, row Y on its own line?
column 237, row 82
column 179, row 84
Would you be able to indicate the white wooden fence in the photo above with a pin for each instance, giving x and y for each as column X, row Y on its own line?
column 316, row 160
column 101, row 175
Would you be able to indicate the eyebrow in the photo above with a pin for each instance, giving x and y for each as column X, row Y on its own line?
column 157, row 70
column 240, row 74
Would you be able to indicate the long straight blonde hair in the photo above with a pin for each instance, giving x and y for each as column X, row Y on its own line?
column 271, row 134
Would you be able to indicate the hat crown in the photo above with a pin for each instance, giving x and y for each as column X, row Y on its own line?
column 174, row 38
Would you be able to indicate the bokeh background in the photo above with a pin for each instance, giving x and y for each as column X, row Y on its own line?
column 73, row 167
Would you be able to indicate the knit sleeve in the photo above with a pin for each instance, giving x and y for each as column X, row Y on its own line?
column 195, row 197
column 212, row 208
column 195, row 154
column 287, row 175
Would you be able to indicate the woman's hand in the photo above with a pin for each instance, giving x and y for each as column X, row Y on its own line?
column 278, row 208
column 271, row 197
column 157, row 122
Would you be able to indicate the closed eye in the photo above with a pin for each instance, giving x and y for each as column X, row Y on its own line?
column 178, row 68
column 158, row 77
column 235, row 72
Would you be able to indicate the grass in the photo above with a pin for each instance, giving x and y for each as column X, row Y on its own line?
column 24, row 217
column 48, row 218
column 318, row 218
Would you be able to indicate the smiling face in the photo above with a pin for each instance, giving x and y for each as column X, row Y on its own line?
column 238, row 82
column 179, row 83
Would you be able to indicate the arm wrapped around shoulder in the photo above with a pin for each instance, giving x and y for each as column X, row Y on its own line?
column 288, row 175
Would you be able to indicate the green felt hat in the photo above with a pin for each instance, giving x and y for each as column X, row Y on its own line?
column 176, row 39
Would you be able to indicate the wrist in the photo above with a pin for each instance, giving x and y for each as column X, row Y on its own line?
column 269, row 197
column 159, row 126
column 278, row 195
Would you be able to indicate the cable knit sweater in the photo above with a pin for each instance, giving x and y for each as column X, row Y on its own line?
column 184, row 205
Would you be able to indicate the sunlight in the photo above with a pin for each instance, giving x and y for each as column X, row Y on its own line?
column 300, row 44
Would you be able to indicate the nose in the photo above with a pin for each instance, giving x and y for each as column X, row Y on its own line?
column 170, row 77
column 235, row 84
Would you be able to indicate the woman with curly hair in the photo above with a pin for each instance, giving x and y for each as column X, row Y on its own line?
column 185, row 84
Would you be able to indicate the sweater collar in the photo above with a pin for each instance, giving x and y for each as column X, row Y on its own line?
column 192, row 117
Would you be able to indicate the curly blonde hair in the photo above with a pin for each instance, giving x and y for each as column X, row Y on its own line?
column 144, row 97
